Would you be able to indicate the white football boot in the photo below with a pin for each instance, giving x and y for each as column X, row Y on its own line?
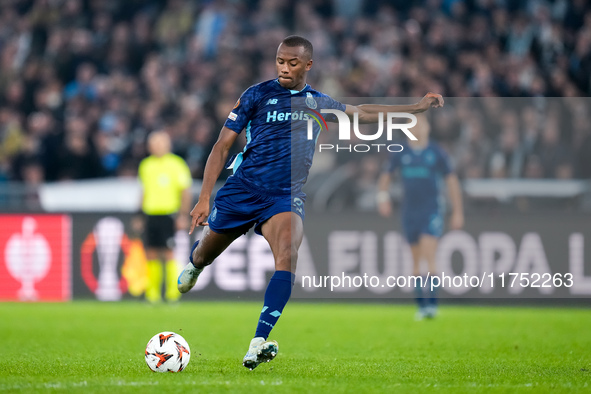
column 431, row 311
column 260, row 351
column 189, row 275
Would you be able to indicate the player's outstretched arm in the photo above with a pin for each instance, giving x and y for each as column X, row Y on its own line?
column 368, row 113
column 455, row 195
column 213, row 168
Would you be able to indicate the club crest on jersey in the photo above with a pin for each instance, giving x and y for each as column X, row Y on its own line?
column 310, row 102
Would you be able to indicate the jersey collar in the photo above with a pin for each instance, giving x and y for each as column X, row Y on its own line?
column 418, row 150
column 292, row 91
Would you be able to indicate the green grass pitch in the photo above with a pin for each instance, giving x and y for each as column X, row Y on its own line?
column 324, row 348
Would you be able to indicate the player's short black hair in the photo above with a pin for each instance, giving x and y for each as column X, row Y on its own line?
column 299, row 41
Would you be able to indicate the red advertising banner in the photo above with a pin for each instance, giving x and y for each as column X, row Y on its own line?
column 35, row 258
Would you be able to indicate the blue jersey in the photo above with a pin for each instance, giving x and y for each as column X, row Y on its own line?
column 422, row 172
column 278, row 152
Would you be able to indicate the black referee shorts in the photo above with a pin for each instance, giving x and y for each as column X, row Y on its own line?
column 159, row 231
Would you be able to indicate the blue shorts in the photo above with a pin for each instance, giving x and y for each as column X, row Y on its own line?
column 237, row 208
column 418, row 224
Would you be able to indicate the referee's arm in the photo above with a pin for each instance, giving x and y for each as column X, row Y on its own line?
column 383, row 195
column 182, row 220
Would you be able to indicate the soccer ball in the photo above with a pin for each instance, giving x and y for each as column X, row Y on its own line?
column 167, row 352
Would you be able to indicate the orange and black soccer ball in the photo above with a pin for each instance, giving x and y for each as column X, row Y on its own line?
column 167, row 352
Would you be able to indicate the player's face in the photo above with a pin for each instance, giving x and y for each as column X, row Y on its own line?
column 292, row 65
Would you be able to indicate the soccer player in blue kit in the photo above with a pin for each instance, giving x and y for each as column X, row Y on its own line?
column 423, row 166
column 265, row 188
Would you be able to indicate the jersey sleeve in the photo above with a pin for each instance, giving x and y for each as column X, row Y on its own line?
column 443, row 162
column 334, row 104
column 328, row 102
column 141, row 172
column 184, row 178
column 242, row 111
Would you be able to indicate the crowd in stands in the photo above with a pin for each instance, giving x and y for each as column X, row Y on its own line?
column 82, row 82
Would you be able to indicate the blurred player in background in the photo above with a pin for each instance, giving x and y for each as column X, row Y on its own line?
column 166, row 200
column 423, row 166
column 266, row 188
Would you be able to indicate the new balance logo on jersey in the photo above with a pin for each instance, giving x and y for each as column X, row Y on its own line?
column 272, row 101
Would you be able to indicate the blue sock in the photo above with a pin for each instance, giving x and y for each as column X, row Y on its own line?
column 276, row 296
column 192, row 250
column 419, row 293
column 432, row 293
